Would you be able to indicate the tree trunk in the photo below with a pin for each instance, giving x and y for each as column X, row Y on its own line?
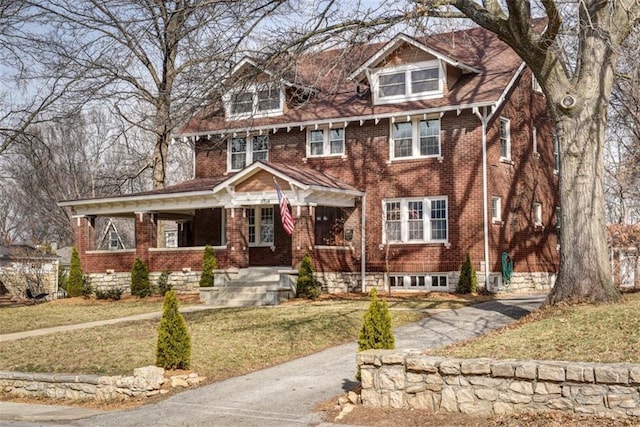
column 163, row 137
column 585, row 273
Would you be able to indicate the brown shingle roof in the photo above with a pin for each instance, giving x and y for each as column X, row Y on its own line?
column 311, row 177
column 337, row 99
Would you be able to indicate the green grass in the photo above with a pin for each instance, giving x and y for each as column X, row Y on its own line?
column 71, row 311
column 590, row 333
column 225, row 342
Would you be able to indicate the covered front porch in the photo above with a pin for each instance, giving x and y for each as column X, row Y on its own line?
column 239, row 215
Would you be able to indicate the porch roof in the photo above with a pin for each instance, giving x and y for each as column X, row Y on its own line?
column 249, row 187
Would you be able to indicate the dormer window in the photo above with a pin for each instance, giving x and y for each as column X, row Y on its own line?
column 408, row 82
column 255, row 101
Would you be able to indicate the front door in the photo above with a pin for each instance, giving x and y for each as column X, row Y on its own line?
column 269, row 244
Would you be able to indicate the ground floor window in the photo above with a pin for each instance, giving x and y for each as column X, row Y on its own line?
column 415, row 220
column 329, row 226
column 418, row 281
column 261, row 225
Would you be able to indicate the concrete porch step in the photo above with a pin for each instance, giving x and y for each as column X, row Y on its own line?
column 257, row 275
column 239, row 295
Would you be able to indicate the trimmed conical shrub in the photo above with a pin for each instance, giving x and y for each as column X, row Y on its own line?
column 209, row 264
column 468, row 281
column 75, row 281
column 140, row 284
column 376, row 332
column 173, row 350
column 307, row 285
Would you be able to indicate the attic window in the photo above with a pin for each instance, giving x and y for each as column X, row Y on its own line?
column 408, row 82
column 255, row 101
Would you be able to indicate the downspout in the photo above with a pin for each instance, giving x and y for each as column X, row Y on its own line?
column 484, row 119
column 363, row 244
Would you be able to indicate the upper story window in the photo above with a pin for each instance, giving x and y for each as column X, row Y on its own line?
column 505, row 139
column 556, row 154
column 255, row 101
column 245, row 150
column 325, row 142
column 415, row 220
column 415, row 139
column 408, row 82
column 535, row 84
column 537, row 214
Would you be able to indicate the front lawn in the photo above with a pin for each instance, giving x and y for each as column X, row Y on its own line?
column 589, row 333
column 226, row 342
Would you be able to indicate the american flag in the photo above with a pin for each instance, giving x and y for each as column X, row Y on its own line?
column 285, row 214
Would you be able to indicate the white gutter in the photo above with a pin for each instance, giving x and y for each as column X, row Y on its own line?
column 349, row 119
column 484, row 119
column 363, row 244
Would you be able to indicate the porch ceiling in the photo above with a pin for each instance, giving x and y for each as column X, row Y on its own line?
column 252, row 186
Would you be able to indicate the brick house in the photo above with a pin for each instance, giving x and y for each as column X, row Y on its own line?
column 397, row 159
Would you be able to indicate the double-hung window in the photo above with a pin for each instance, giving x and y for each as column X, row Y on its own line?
column 496, row 209
column 415, row 220
column 257, row 101
column 260, row 225
column 415, row 139
column 537, row 214
column 325, row 142
column 408, row 82
column 246, row 150
column 505, row 139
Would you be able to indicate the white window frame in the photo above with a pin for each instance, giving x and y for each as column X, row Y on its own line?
column 418, row 281
column 537, row 214
column 248, row 153
column 171, row 238
column 415, row 139
column 556, row 154
column 534, row 139
column 505, row 138
column 326, row 141
column 407, row 70
column 255, row 112
column 427, row 220
column 259, row 225
column 114, row 240
column 496, row 209
column 535, row 85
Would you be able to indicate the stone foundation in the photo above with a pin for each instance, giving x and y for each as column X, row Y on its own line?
column 521, row 283
column 182, row 282
column 393, row 379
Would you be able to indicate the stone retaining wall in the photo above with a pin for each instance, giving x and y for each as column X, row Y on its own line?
column 146, row 381
column 393, row 379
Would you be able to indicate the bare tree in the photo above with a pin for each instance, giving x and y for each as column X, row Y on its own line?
column 89, row 156
column 155, row 60
column 622, row 156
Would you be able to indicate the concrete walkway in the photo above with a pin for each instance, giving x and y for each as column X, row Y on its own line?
column 284, row 395
column 87, row 325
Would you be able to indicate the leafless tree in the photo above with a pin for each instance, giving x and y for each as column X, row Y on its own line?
column 154, row 61
column 622, row 157
column 89, row 156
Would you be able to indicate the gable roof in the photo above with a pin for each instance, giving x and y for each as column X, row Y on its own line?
column 397, row 41
column 489, row 63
